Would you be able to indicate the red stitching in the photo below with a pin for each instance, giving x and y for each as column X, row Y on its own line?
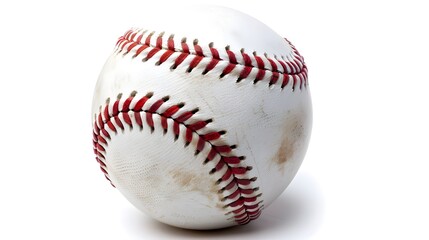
column 242, row 198
column 270, row 69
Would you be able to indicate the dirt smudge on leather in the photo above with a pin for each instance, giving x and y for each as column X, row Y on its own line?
column 200, row 182
column 292, row 135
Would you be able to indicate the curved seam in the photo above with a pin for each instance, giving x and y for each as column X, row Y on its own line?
column 242, row 213
column 248, row 62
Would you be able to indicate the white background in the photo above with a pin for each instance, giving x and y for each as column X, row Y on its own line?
column 366, row 173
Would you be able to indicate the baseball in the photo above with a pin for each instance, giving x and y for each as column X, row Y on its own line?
column 202, row 117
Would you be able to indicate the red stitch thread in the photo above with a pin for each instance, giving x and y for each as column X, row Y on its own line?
column 245, row 203
column 266, row 66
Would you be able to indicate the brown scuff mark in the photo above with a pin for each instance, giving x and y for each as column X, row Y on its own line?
column 198, row 182
column 183, row 178
column 291, row 139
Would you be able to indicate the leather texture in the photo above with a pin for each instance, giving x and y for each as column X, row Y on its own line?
column 267, row 124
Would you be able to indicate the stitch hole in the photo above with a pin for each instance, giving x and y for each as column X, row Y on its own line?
column 133, row 93
column 204, row 72
column 149, row 94
column 161, row 34
column 183, row 40
column 195, row 41
column 253, row 179
column 249, row 168
column 189, row 69
column 242, row 50
column 119, row 96
column 187, row 144
column 196, row 152
column 195, row 110
column 227, row 47
column 152, row 129
column 209, row 120
column 254, row 53
column 242, row 157
column 176, row 137
column 233, row 146
column 107, row 101
column 222, row 132
column 255, row 81
column 180, row 105
column 222, row 75
column 266, row 54
column 166, row 98
column 256, row 189
column 206, row 161
column 173, row 67
column 211, row 45
column 212, row 171
column 218, row 181
column 165, row 131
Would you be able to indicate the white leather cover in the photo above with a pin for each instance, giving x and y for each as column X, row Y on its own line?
column 158, row 160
